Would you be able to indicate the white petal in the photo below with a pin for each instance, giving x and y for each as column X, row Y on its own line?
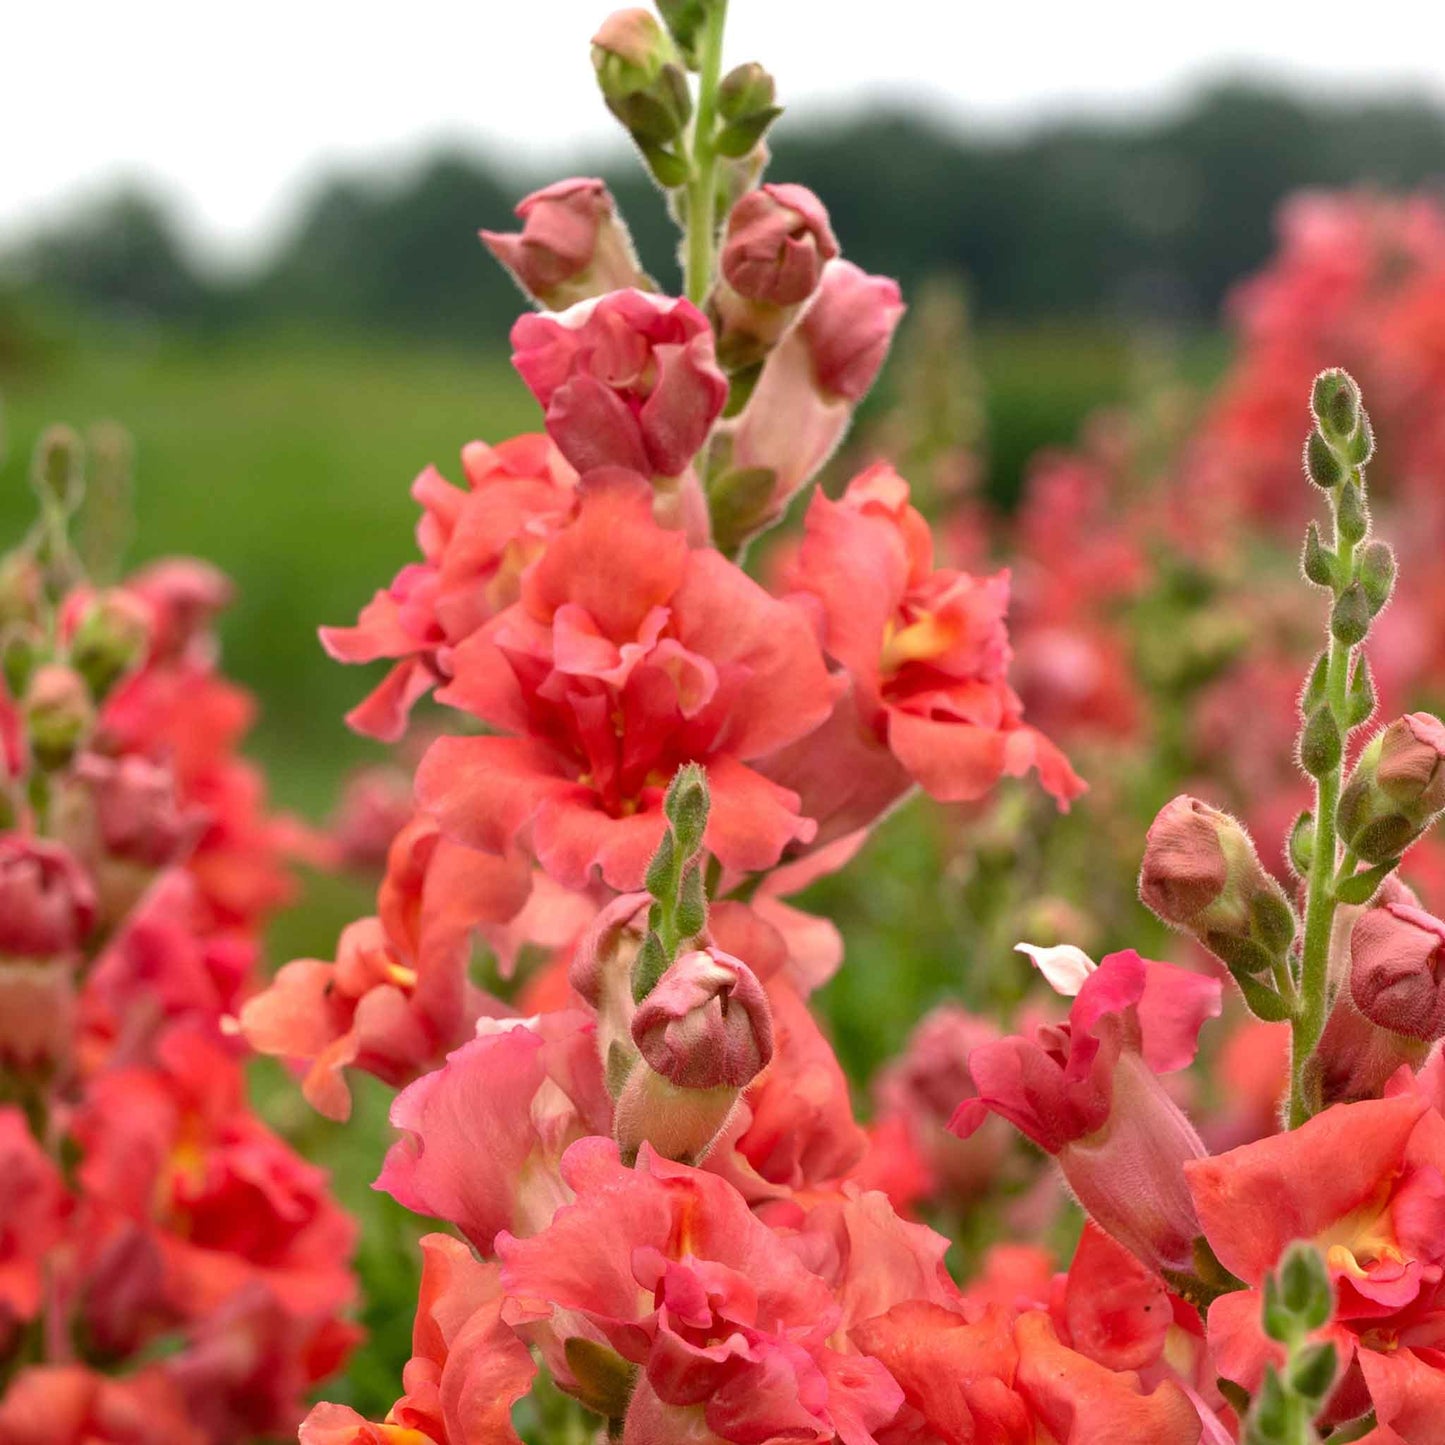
column 1064, row 966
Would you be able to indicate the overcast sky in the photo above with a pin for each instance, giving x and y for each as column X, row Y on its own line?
column 232, row 110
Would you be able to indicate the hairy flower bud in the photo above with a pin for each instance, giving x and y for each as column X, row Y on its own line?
column 1201, row 874
column 1397, row 963
column 641, row 77
column 805, row 396
column 572, row 245
column 849, row 328
column 707, row 1024
column 58, row 714
column 109, row 638
column 777, row 241
column 22, row 588
column 47, row 903
column 1396, row 789
column 601, row 973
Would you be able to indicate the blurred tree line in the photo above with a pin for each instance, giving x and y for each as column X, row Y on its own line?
column 1121, row 220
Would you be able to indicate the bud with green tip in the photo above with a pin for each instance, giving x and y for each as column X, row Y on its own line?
column 1350, row 616
column 747, row 107
column 1335, row 403
column 1322, row 466
column 642, row 80
column 110, row 639
column 1319, row 562
column 685, row 20
column 1352, row 516
column 22, row 588
column 58, row 714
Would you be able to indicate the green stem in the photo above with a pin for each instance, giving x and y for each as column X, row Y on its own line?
column 1309, row 1019
column 702, row 187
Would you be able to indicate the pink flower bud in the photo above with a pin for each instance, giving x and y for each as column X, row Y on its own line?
column 627, row 380
column 778, row 239
column 47, row 903
column 601, row 973
column 1355, row 1058
column 804, row 398
column 1201, row 873
column 849, row 328
column 1397, row 959
column 572, row 245
column 678, row 1123
column 707, row 1024
column 58, row 713
column 137, row 813
column 1410, row 769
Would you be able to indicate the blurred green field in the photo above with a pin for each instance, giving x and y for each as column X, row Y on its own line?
column 286, row 460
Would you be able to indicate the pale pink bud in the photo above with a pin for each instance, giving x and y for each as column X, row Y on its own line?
column 137, row 813
column 849, row 327
column 572, row 245
column 110, row 634
column 47, row 902
column 678, row 1123
column 602, row 974
column 1397, row 960
column 1410, row 771
column 707, row 1024
column 778, row 239
column 1355, row 1057
column 1201, row 873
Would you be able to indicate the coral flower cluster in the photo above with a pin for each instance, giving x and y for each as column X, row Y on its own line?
column 659, row 1216
column 171, row 1271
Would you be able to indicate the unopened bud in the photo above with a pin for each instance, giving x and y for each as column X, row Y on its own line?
column 22, row 588
column 58, row 714
column 1396, row 790
column 137, row 812
column 1320, row 744
column 679, row 1123
column 47, row 903
column 707, row 1024
column 1201, row 873
column 1335, row 402
column 1322, row 466
column 1318, row 561
column 1352, row 515
column 777, row 242
column 747, row 106
column 686, row 806
column 572, row 245
column 1397, row 968
column 109, row 639
column 640, row 73
column 685, row 20
column 1377, row 574
column 1350, row 616
column 58, row 473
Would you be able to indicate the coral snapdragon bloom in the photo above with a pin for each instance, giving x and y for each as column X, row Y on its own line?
column 1089, row 1364
column 475, row 545
column 172, row 1156
column 663, row 1274
column 397, row 997
column 1366, row 1183
column 928, row 654
column 627, row 655
column 1088, row 1091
